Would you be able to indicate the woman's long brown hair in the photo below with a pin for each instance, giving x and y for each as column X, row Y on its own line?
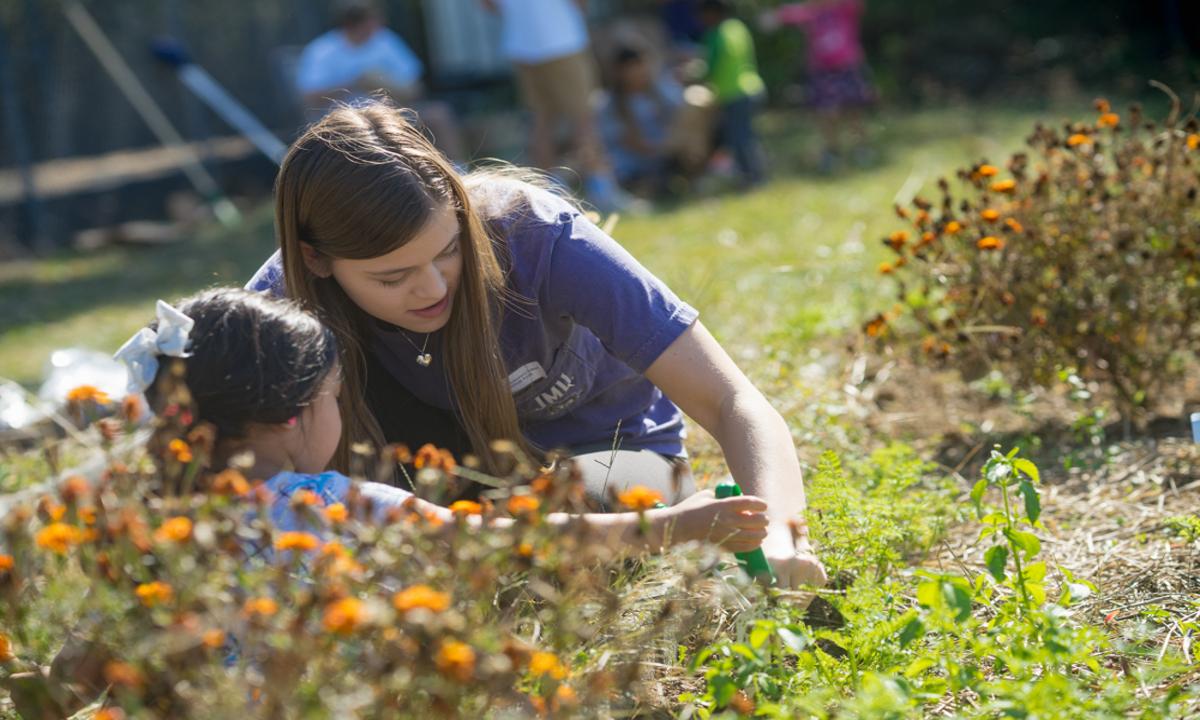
column 358, row 184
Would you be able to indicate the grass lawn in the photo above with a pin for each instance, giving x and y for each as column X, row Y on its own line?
column 796, row 257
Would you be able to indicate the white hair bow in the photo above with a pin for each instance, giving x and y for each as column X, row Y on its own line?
column 140, row 353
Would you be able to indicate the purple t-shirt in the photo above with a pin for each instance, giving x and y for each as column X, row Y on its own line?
column 577, row 351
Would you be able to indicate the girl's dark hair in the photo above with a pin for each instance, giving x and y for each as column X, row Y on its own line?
column 255, row 359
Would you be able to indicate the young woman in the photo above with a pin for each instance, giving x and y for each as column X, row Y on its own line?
column 507, row 313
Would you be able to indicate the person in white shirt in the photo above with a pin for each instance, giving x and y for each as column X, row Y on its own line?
column 361, row 57
column 547, row 43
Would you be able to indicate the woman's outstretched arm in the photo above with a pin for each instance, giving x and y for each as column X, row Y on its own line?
column 700, row 377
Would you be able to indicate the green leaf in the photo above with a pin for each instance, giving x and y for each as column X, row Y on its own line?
column 1033, row 504
column 977, row 494
column 1027, row 467
column 996, row 558
column 759, row 635
column 958, row 599
column 1024, row 541
column 927, row 593
column 723, row 689
column 1035, row 572
column 918, row 666
column 912, row 630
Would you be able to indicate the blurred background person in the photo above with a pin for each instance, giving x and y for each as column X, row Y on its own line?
column 547, row 43
column 636, row 119
column 732, row 73
column 839, row 87
column 360, row 57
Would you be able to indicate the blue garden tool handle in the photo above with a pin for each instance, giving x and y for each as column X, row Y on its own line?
column 754, row 562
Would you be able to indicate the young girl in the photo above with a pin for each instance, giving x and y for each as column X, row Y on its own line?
column 839, row 87
column 265, row 374
column 509, row 315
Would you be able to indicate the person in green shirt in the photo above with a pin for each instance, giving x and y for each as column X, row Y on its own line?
column 733, row 76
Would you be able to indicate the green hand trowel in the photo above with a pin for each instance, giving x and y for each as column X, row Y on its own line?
column 754, row 562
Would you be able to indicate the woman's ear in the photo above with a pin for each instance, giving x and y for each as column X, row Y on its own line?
column 317, row 262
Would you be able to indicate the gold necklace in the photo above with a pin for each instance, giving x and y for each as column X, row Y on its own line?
column 423, row 358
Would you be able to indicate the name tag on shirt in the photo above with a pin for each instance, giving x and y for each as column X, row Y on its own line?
column 525, row 376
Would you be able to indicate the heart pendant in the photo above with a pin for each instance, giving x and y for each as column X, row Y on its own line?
column 424, row 359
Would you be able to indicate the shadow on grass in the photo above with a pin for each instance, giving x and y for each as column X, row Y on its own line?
column 127, row 274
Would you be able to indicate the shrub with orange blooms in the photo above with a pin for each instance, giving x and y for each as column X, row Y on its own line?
column 297, row 541
column 456, row 660
column 1083, row 253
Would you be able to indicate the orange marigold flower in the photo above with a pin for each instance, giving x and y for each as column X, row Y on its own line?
column 1079, row 139
column 175, row 529
column 565, row 695
column 897, row 240
column 927, row 238
column 523, row 505
column 1004, row 186
column 88, row 515
column 213, row 638
column 344, row 616
column 1101, row 105
column 952, row 228
column 401, row 454
column 466, row 507
column 886, row 268
column 306, row 497
column 542, row 484
column 922, row 218
column 154, row 593
column 1193, row 141
column 1108, row 120
column 6, row 653
column 263, row 606
column 7, row 563
column 1014, row 225
column 876, row 326
column 990, row 242
column 58, row 537
column 928, row 344
column 640, row 498
column 421, row 596
column 990, row 214
column 230, row 482
column 455, row 660
column 427, row 456
column 87, row 393
column 123, row 674
column 131, row 408
column 446, row 460
column 988, row 170
column 547, row 663
column 74, row 488
column 336, row 513
column 109, row 713
column 525, row 550
column 294, row 540
column 180, row 450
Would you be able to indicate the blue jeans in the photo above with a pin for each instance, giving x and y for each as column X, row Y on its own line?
column 737, row 133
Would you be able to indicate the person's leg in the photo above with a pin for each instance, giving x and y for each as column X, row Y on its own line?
column 607, row 473
column 739, row 116
column 530, row 83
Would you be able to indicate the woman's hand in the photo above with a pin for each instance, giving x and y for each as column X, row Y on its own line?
column 737, row 524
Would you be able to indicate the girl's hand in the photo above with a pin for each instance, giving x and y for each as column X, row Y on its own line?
column 737, row 524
